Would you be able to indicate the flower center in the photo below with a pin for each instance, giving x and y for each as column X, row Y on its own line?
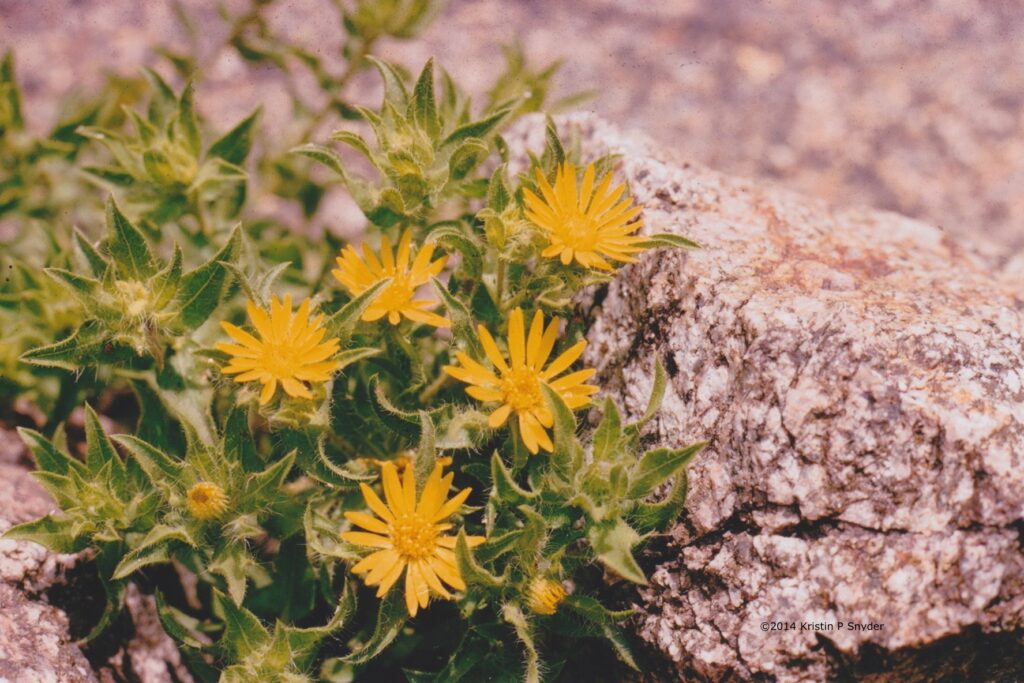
column 280, row 360
column 397, row 294
column 414, row 537
column 522, row 389
column 578, row 231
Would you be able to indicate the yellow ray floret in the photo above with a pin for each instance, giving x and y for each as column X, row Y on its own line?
column 586, row 224
column 206, row 501
column 545, row 595
column 359, row 273
column 407, row 536
column 517, row 385
column 289, row 349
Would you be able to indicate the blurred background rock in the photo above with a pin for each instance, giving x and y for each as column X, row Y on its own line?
column 910, row 106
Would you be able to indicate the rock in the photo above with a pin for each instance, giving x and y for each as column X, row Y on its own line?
column 860, row 376
column 34, row 643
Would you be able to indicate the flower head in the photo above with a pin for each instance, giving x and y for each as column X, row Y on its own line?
column 545, row 595
column 407, row 535
column 517, row 385
column 590, row 225
column 358, row 274
column 206, row 501
column 289, row 350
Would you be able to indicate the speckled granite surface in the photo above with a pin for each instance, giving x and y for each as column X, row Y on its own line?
column 909, row 106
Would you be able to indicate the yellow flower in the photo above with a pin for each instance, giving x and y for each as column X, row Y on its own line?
column 588, row 225
column 206, row 501
column 358, row 274
column 518, row 386
column 545, row 596
column 408, row 536
column 290, row 350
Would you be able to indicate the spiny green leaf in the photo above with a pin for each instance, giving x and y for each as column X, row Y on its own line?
column 234, row 145
column 341, row 323
column 477, row 129
column 658, row 466
column 99, row 451
column 471, row 572
column 158, row 465
column 86, row 254
column 157, row 553
column 609, row 432
column 53, row 532
column 462, row 321
column 244, row 634
column 203, row 289
column 264, row 486
column 565, row 458
column 425, row 108
column 654, row 402
column 667, row 239
column 466, row 157
column 47, row 456
column 648, row 517
column 394, row 85
column 613, row 544
column 390, row 619
column 128, row 246
column 505, row 486
column 326, row 156
column 187, row 118
column 165, row 283
column 514, row 615
column 426, row 453
column 232, row 561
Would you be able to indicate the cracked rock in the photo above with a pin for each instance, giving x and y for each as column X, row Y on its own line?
column 860, row 376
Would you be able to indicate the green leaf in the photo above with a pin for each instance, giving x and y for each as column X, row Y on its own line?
column 648, row 517
column 244, row 634
column 232, row 561
column 613, row 544
column 157, row 553
column 462, row 321
column 341, row 323
column 424, row 105
column 426, row 453
column 394, row 85
column 53, row 532
column 128, row 246
column 163, row 103
column 303, row 642
column 187, row 118
column 609, row 432
column 326, row 156
column 658, row 466
column 505, row 486
column 390, row 619
column 264, row 486
column 70, row 353
column 356, row 142
column 467, row 156
column 237, row 443
column 498, row 193
column 234, row 145
column 203, row 289
column 99, row 451
column 477, row 129
column 165, row 283
column 554, row 153
column 623, row 651
column 654, row 402
column 182, row 627
column 592, row 610
column 566, row 458
column 86, row 254
column 48, row 458
column 154, row 462
column 83, row 289
column 471, row 572
column 511, row 613
column 667, row 239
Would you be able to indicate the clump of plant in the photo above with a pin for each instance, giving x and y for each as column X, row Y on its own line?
column 346, row 455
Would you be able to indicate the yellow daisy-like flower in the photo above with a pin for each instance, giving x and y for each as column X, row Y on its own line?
column 290, row 350
column 518, row 385
column 206, row 501
column 590, row 225
column 545, row 596
column 358, row 274
column 408, row 536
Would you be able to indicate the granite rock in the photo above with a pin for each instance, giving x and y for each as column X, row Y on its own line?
column 860, row 376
